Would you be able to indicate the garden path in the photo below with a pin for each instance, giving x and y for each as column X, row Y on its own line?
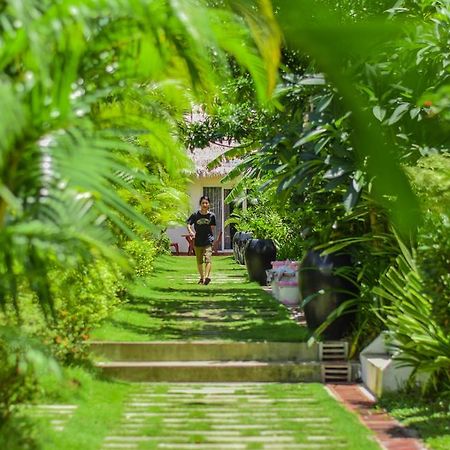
column 272, row 416
column 236, row 416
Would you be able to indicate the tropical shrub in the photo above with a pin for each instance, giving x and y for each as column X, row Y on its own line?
column 84, row 296
column 433, row 262
column 357, row 116
column 431, row 180
column 142, row 254
column 265, row 219
column 23, row 363
column 162, row 244
column 419, row 334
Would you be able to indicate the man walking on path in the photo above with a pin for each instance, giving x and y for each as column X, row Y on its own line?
column 204, row 223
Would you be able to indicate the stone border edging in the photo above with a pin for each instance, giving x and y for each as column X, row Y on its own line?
column 389, row 433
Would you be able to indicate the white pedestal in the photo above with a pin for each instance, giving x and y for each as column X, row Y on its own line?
column 380, row 370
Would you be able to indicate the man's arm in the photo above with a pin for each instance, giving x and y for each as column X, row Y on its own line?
column 191, row 231
column 213, row 224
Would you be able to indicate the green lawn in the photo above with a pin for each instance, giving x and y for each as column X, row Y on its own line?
column 430, row 418
column 99, row 406
column 170, row 305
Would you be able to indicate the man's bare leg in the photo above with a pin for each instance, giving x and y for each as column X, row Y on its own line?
column 207, row 270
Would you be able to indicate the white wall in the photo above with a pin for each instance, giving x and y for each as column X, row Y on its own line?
column 195, row 192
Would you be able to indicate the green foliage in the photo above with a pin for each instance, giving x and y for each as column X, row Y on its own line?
column 362, row 113
column 89, row 155
column 142, row 254
column 162, row 244
column 351, row 112
column 23, row 363
column 431, row 180
column 265, row 220
column 430, row 177
column 19, row 433
column 418, row 331
column 89, row 149
column 234, row 116
column 84, row 297
column 429, row 416
column 433, row 262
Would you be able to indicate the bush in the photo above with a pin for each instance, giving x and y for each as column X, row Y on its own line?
column 23, row 362
column 142, row 253
column 433, row 261
column 265, row 221
column 431, row 181
column 417, row 331
column 162, row 245
column 83, row 296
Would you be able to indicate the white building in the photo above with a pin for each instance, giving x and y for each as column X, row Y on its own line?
column 208, row 182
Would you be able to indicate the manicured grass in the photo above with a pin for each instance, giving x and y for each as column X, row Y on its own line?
column 430, row 418
column 170, row 305
column 99, row 408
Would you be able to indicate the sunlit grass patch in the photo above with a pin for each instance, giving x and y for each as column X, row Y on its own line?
column 170, row 305
column 431, row 418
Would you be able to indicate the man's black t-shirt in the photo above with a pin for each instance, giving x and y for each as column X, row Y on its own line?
column 202, row 226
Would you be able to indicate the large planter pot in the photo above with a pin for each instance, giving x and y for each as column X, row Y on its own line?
column 327, row 291
column 259, row 253
column 240, row 240
column 236, row 239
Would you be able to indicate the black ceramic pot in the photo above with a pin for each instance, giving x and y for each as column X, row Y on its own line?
column 318, row 279
column 259, row 253
column 240, row 240
column 236, row 239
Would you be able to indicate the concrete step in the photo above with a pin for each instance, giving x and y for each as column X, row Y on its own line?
column 213, row 371
column 205, row 351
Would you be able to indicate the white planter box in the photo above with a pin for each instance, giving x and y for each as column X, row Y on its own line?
column 289, row 294
column 380, row 370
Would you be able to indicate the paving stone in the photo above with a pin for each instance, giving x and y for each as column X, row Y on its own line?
column 259, row 419
column 284, row 446
column 119, row 445
column 242, row 426
column 201, row 446
column 58, row 415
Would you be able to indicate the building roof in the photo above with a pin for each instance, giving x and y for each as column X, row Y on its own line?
column 203, row 156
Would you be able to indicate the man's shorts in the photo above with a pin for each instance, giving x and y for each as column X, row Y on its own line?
column 203, row 254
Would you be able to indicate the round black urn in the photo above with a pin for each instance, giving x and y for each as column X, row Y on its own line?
column 259, row 253
column 235, row 245
column 320, row 280
column 240, row 240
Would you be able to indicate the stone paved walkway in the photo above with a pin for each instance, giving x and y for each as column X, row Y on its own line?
column 57, row 415
column 222, row 416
